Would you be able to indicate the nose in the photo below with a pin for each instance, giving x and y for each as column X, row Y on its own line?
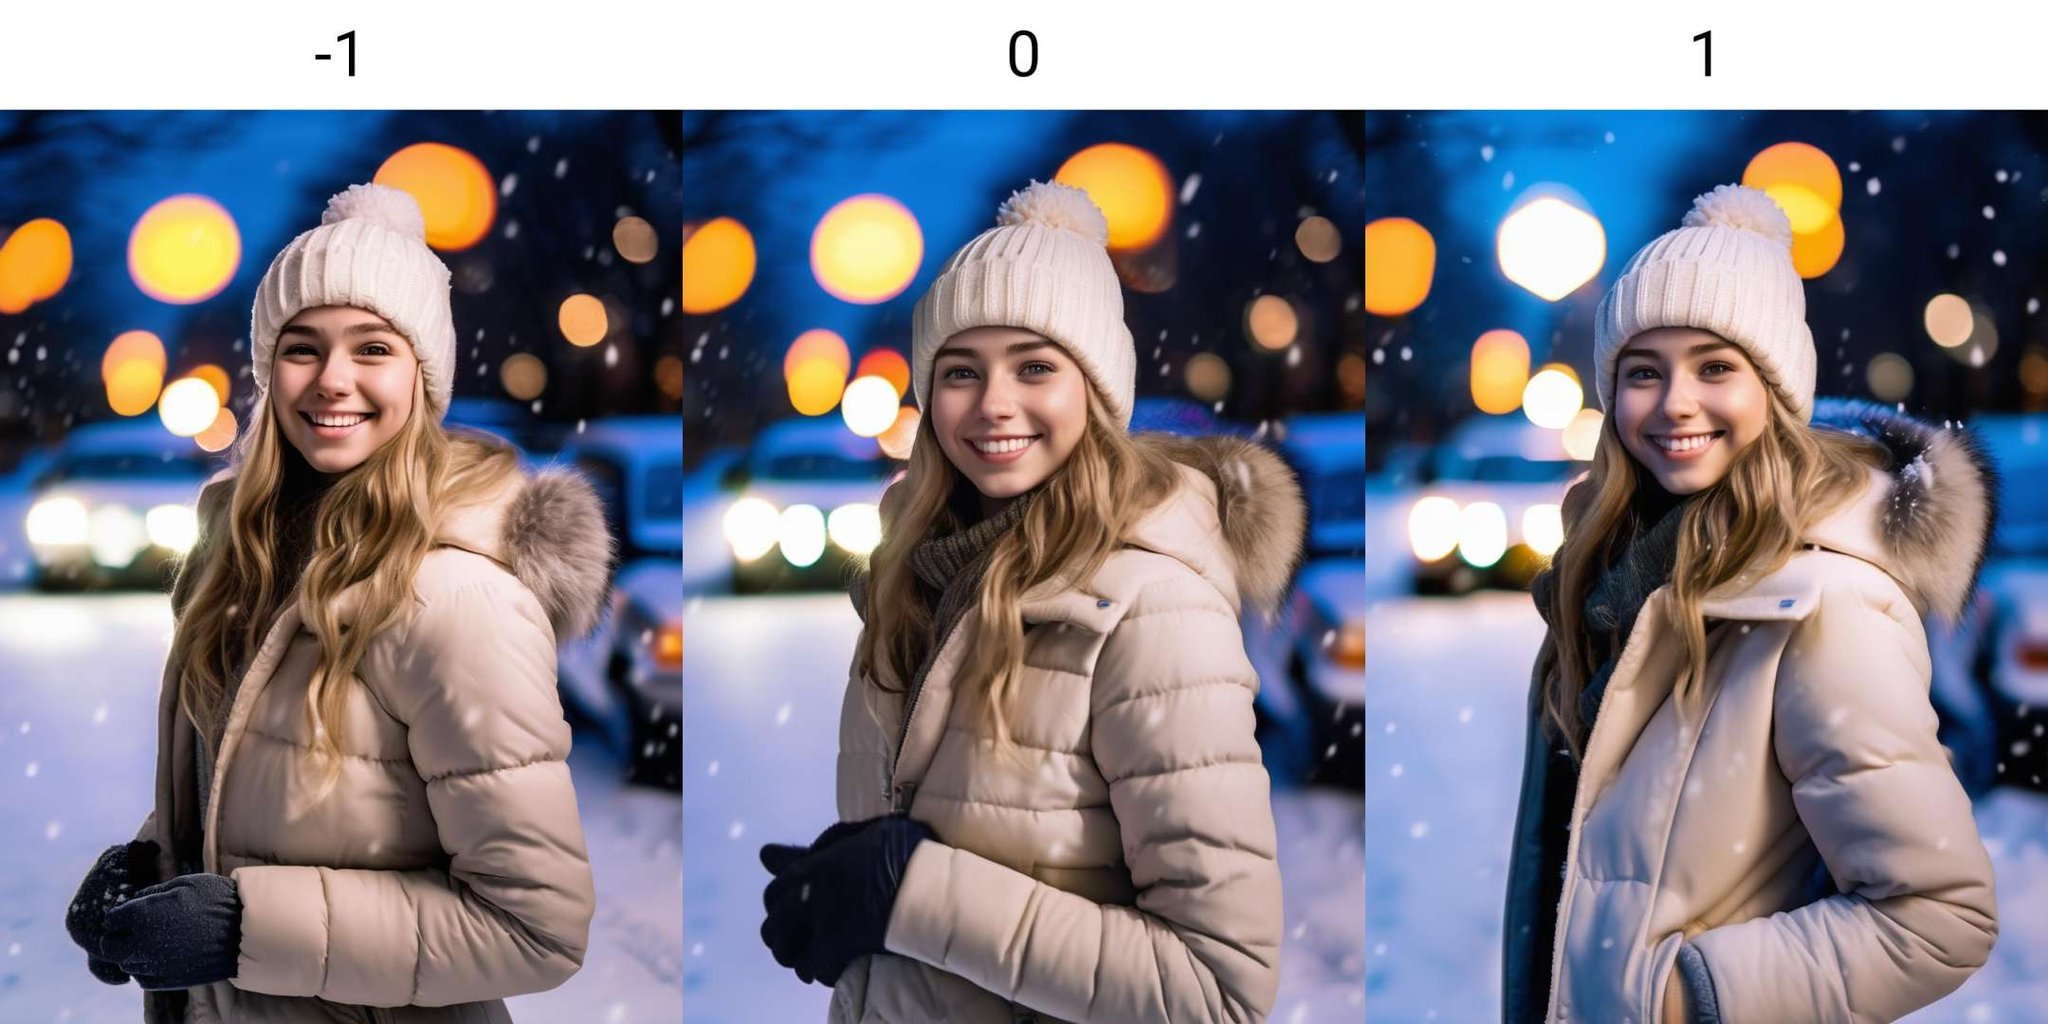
column 1679, row 401
column 337, row 377
column 997, row 403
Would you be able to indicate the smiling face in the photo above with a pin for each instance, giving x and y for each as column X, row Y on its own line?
column 1008, row 406
column 341, row 385
column 1685, row 402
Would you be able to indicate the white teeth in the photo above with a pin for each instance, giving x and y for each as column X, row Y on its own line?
column 337, row 421
column 1685, row 444
column 1003, row 447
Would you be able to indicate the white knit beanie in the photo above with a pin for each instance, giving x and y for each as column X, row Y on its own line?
column 1728, row 270
column 1045, row 268
column 370, row 251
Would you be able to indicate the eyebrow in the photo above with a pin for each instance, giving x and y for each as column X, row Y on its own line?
column 351, row 330
column 1700, row 349
column 1012, row 349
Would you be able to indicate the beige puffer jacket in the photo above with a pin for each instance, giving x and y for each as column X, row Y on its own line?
column 1809, row 840
column 1123, row 870
column 447, row 870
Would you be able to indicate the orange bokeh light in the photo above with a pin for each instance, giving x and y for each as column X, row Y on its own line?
column 457, row 197
column 1400, row 263
column 1130, row 186
column 718, row 264
column 887, row 364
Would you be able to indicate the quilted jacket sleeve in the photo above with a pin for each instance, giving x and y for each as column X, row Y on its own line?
column 1171, row 731
column 473, row 678
column 1913, row 915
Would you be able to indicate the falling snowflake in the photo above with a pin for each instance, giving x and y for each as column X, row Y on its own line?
column 99, row 714
column 782, row 714
column 1464, row 716
column 1418, row 830
column 505, row 187
column 711, row 769
column 53, row 830
column 1189, row 187
column 1486, row 154
column 1397, row 771
column 1872, row 186
column 738, row 829
column 562, row 168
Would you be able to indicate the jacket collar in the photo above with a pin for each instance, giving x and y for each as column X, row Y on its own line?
column 1924, row 518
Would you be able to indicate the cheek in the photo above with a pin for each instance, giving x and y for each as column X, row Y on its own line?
column 1747, row 411
column 1064, row 408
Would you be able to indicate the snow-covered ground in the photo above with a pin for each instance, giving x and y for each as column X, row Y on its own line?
column 78, row 691
column 761, row 705
column 1447, row 680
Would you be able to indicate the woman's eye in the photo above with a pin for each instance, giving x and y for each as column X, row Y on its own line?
column 299, row 349
column 1642, row 373
column 957, row 373
column 1031, row 368
column 375, row 348
column 1715, row 369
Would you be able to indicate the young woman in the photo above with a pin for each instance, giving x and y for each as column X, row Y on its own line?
column 1052, row 804
column 1734, row 806
column 362, row 808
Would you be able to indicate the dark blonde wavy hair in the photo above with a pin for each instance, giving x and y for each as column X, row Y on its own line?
column 373, row 527
column 1748, row 522
column 1079, row 516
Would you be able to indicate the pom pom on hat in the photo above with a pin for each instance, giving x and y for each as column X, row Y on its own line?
column 389, row 207
column 1055, row 206
column 1742, row 208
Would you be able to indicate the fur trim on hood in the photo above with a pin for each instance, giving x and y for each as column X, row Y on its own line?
column 1928, row 521
column 1258, row 505
column 550, row 532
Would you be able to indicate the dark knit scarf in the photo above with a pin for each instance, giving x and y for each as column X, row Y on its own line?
column 1618, row 595
column 950, row 570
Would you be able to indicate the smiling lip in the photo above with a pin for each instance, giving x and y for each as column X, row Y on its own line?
column 1009, row 449
column 337, row 425
column 1696, row 444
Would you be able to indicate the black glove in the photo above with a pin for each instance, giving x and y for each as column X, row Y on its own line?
column 832, row 905
column 182, row 933
column 114, row 878
column 777, row 857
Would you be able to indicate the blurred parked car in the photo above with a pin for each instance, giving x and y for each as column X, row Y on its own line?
column 1312, row 691
column 509, row 421
column 627, row 678
column 115, row 506
column 806, row 505
column 1991, row 672
column 1487, row 512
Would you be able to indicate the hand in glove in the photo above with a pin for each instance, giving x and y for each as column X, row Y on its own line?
column 777, row 857
column 832, row 905
column 113, row 880
column 182, row 933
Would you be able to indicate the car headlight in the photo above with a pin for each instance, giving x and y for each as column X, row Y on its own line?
column 117, row 536
column 1482, row 534
column 856, row 527
column 1543, row 528
column 54, row 521
column 175, row 527
column 1433, row 528
column 751, row 527
column 803, row 535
